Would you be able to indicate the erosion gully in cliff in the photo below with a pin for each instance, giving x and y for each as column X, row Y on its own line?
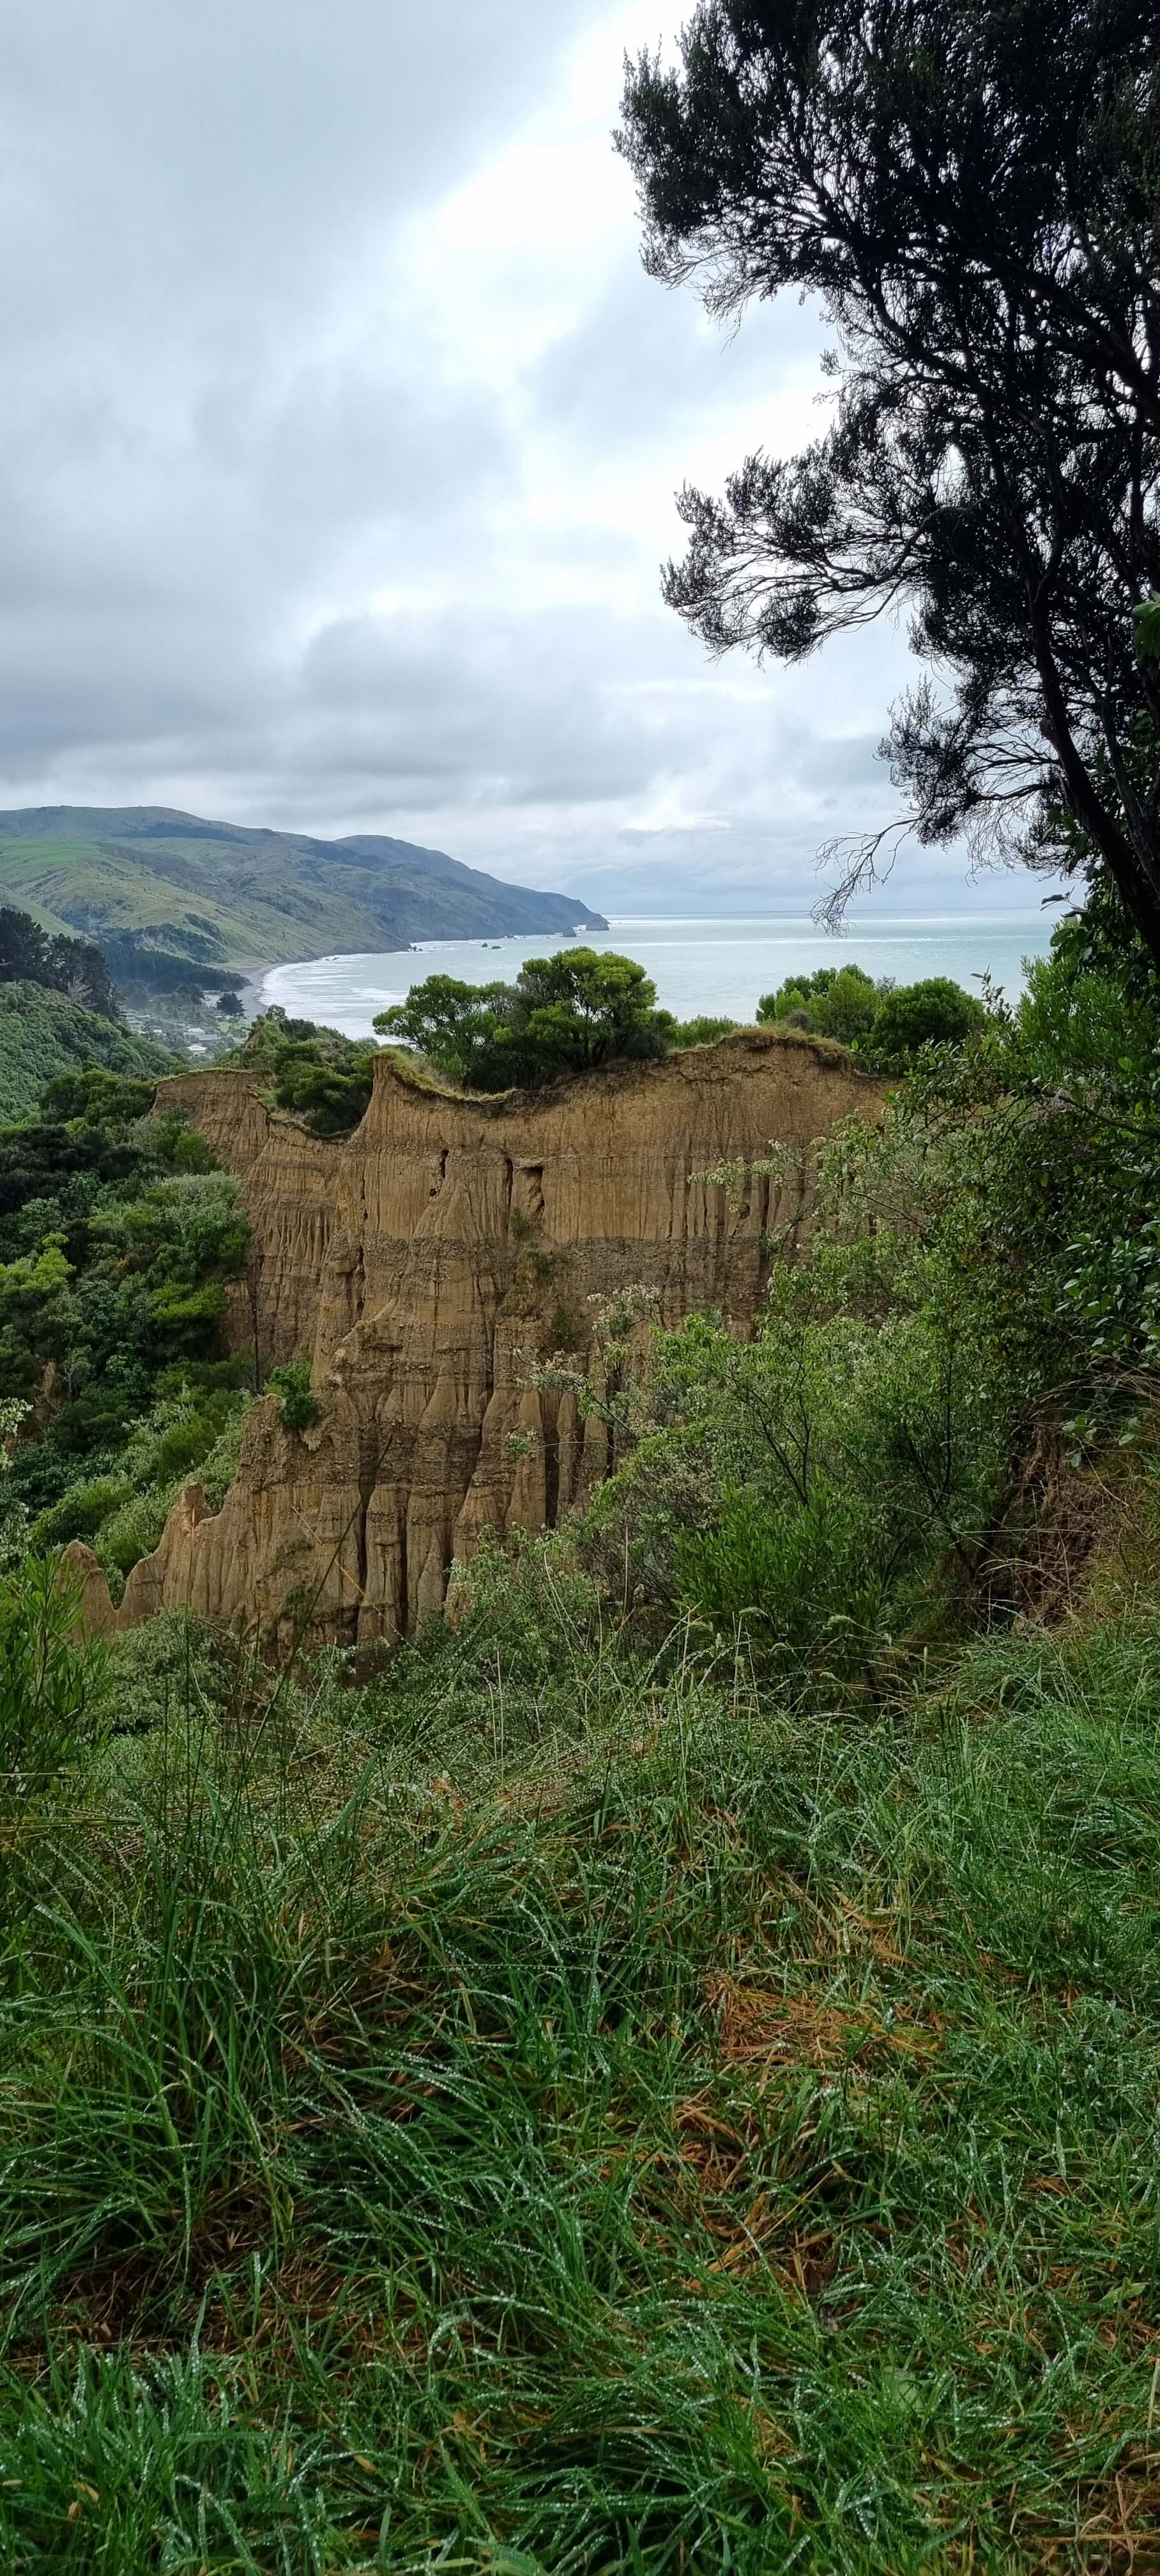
column 423, row 1263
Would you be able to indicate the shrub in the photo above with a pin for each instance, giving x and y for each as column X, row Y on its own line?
column 837, row 1001
column 330, row 1090
column 99, row 1098
column 804, row 1484
column 850, row 1008
column 935, row 1012
column 316, row 1073
column 123, row 1516
column 298, row 1405
column 117, row 1235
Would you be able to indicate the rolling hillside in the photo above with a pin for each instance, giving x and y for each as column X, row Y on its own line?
column 223, row 894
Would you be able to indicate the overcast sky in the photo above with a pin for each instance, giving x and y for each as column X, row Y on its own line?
column 338, row 448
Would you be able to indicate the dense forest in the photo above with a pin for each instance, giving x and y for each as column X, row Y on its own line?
column 659, row 2070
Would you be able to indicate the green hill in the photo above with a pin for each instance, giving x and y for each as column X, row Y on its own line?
column 43, row 1034
column 219, row 893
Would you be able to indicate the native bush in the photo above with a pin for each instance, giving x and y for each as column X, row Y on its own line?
column 563, row 1014
column 837, row 1001
column 315, row 1073
column 122, row 1515
column 885, row 1022
column 803, row 1486
column 935, row 1012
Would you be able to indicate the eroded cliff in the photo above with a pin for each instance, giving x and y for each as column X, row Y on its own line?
column 421, row 1264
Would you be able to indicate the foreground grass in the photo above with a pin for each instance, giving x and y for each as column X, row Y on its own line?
column 622, row 2126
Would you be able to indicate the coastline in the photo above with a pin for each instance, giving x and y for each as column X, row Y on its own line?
column 252, row 988
column 255, row 973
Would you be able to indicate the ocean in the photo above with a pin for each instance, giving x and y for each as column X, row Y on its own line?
column 721, row 967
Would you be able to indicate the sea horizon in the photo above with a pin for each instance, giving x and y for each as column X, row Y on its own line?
column 699, row 963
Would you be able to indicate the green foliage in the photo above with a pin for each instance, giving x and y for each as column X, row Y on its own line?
column 315, row 1073
column 702, row 1031
column 582, row 1007
column 118, row 1235
column 1034, row 1159
column 298, row 1405
column 562, row 1015
column 80, row 1511
column 146, row 970
column 1147, row 625
column 885, row 1022
column 935, row 1012
column 837, row 1001
column 43, row 1035
column 805, row 1487
column 851, row 1007
column 122, row 1515
column 330, row 1089
column 454, row 1025
column 13, row 1514
column 98, row 1096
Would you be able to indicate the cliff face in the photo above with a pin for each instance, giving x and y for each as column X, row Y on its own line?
column 420, row 1262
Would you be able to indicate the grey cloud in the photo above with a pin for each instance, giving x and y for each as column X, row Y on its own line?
column 331, row 495
column 646, row 361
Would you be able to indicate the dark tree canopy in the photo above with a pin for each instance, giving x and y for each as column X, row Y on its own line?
column 74, row 967
column 935, row 1012
column 562, row 1014
column 972, row 187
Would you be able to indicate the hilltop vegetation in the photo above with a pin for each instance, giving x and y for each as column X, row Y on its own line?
column 315, row 1073
column 562, row 1014
column 586, row 1007
column 74, row 967
column 885, row 1022
column 170, row 887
